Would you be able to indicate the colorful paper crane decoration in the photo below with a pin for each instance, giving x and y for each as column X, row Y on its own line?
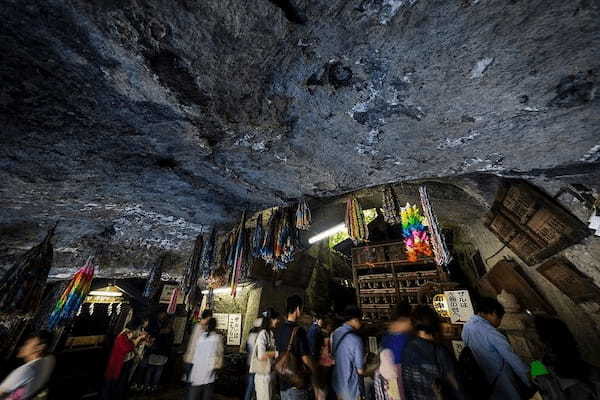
column 73, row 296
column 416, row 238
column 355, row 221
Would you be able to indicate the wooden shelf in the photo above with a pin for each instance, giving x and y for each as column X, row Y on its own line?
column 399, row 275
column 423, row 261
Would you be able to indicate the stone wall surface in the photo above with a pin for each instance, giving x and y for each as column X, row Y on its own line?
column 143, row 122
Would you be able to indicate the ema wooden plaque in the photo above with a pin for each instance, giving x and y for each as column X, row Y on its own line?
column 569, row 280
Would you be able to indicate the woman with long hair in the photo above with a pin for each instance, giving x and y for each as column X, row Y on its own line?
column 261, row 363
column 208, row 358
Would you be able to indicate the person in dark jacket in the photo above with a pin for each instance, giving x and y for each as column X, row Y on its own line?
column 159, row 352
column 566, row 375
column 428, row 368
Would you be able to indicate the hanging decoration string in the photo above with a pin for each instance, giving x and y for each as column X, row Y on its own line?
column 73, row 296
column 257, row 237
column 440, row 250
column 173, row 301
column 238, row 255
column 206, row 261
column 190, row 278
column 154, row 279
column 355, row 221
column 266, row 251
column 415, row 234
column 390, row 206
column 303, row 216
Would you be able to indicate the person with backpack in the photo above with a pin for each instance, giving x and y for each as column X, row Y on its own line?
column 388, row 378
column 293, row 364
column 348, row 352
column 428, row 368
column 563, row 374
column 505, row 375
column 263, row 354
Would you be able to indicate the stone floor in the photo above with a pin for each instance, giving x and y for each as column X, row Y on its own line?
column 171, row 393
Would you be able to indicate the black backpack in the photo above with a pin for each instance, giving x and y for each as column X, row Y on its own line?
column 473, row 377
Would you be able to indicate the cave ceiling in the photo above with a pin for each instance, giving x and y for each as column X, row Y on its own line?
column 151, row 121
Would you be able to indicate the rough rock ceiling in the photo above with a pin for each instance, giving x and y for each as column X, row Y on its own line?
column 148, row 121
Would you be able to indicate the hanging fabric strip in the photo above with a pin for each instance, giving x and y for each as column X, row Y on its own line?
column 73, row 296
column 355, row 221
column 303, row 216
column 267, row 250
column 440, row 250
column 390, row 206
column 415, row 234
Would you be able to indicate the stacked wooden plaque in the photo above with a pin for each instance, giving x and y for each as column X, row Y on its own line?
column 383, row 277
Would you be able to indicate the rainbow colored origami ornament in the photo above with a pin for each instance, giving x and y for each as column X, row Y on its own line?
column 72, row 298
column 416, row 238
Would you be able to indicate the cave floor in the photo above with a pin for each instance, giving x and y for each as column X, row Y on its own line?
column 171, row 392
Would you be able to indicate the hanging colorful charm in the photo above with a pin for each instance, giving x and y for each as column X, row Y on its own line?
column 267, row 248
column 303, row 216
column 390, row 206
column 440, row 250
column 355, row 221
column 73, row 296
column 415, row 234
column 206, row 261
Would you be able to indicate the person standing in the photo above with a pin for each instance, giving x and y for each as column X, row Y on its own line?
column 119, row 365
column 188, row 356
column 315, row 337
column 348, row 351
column 322, row 376
column 159, row 353
column 208, row 358
column 388, row 378
column 503, row 369
column 428, row 369
column 31, row 378
column 250, row 343
column 299, row 347
column 264, row 352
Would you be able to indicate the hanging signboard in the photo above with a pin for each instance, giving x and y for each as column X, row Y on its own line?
column 234, row 330
column 167, row 292
column 222, row 321
column 459, row 306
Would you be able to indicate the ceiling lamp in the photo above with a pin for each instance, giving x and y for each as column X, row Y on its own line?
column 108, row 291
column 329, row 232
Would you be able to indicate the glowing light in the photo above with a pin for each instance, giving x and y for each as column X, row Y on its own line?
column 329, row 232
column 105, row 293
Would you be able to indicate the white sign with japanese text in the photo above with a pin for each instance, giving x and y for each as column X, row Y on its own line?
column 460, row 307
column 234, row 330
column 222, row 321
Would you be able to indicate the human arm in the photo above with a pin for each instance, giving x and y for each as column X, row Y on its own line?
column 219, row 351
column 387, row 367
column 500, row 343
column 358, row 354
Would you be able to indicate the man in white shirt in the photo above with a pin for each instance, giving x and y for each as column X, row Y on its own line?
column 30, row 378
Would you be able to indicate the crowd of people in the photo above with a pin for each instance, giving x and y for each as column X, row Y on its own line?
column 411, row 364
column 321, row 363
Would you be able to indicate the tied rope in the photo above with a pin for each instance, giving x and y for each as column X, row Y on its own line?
column 303, row 216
